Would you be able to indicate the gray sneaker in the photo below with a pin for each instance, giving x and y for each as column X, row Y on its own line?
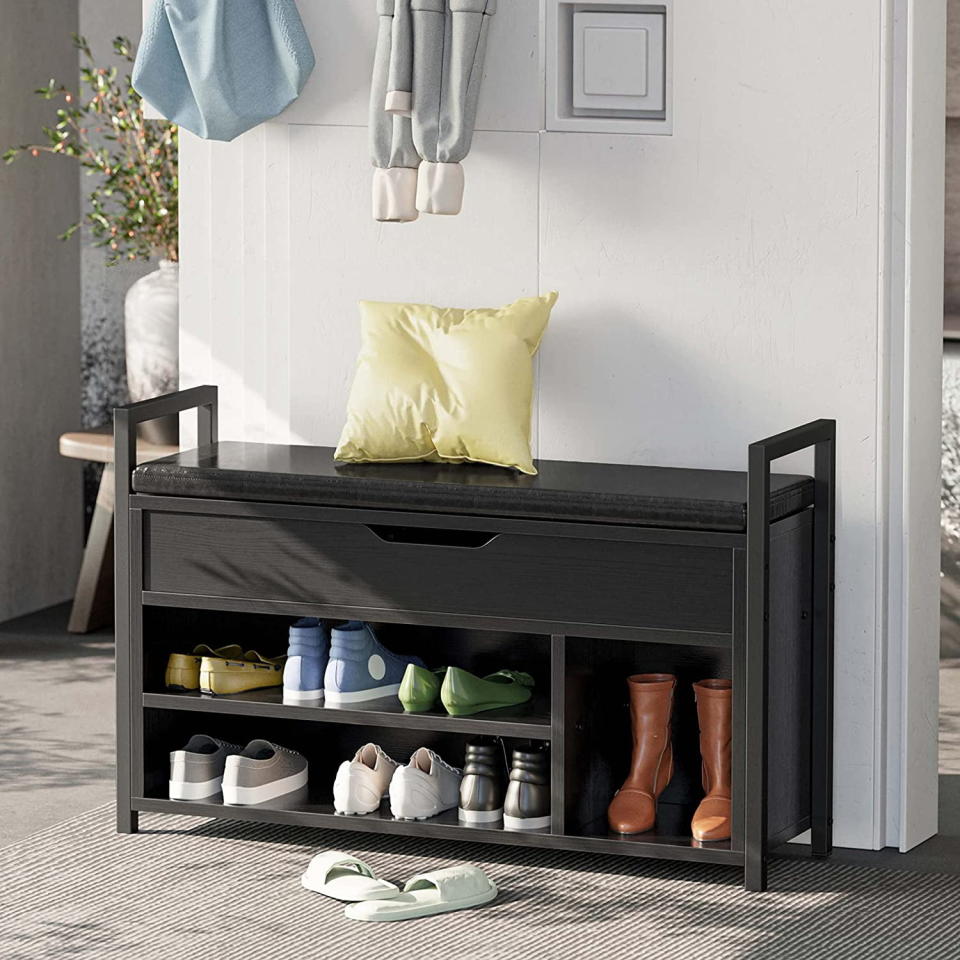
column 196, row 771
column 262, row 772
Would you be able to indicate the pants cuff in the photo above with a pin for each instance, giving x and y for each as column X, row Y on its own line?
column 399, row 102
column 440, row 188
column 395, row 194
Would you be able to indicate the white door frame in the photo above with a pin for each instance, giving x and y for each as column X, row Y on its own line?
column 913, row 65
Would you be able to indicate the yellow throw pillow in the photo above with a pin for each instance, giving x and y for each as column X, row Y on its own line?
column 444, row 385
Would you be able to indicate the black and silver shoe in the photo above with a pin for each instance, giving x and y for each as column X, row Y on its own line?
column 484, row 781
column 527, row 803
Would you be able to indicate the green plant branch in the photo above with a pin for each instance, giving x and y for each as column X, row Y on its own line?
column 132, row 209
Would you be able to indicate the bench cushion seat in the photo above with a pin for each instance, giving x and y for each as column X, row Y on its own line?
column 673, row 497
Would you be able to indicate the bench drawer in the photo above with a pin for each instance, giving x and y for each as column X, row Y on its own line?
column 409, row 568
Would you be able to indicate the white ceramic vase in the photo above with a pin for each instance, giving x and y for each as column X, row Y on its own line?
column 152, row 334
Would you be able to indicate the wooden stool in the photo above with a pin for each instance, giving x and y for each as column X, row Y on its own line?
column 93, row 599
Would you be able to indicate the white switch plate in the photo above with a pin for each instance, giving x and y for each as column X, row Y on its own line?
column 617, row 61
column 608, row 66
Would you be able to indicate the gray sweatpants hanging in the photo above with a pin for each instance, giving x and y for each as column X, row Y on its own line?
column 449, row 44
column 394, row 155
column 399, row 98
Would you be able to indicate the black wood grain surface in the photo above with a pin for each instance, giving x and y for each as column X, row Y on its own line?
column 648, row 496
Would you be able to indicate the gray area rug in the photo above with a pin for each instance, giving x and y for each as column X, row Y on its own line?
column 190, row 888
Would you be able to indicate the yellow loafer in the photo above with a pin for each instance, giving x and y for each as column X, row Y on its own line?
column 183, row 669
column 224, row 677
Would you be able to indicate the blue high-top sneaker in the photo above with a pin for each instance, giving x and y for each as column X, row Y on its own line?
column 306, row 661
column 360, row 667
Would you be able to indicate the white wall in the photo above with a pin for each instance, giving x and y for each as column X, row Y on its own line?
column 716, row 286
column 40, row 502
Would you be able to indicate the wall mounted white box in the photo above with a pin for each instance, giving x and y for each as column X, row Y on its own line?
column 617, row 62
column 609, row 66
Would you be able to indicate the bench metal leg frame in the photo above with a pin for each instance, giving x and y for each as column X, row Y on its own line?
column 129, row 620
column 820, row 434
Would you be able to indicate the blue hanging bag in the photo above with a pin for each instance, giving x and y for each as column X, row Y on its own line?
column 220, row 67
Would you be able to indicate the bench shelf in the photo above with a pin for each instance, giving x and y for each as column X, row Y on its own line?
column 581, row 576
column 531, row 721
column 447, row 827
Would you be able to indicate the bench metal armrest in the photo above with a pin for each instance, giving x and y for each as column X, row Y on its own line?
column 128, row 572
column 821, row 435
column 127, row 418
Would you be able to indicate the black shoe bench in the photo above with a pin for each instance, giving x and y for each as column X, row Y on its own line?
column 581, row 576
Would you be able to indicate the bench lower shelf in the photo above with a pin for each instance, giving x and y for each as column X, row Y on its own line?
column 527, row 720
column 447, row 827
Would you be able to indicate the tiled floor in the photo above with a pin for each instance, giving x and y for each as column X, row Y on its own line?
column 56, row 722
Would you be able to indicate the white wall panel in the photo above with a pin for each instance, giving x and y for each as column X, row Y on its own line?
column 343, row 35
column 270, row 296
column 720, row 284
column 919, row 468
column 229, row 328
column 254, row 282
column 716, row 286
column 339, row 255
column 678, row 340
column 277, row 319
column 196, row 229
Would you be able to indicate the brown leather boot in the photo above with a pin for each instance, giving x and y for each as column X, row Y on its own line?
column 712, row 819
column 634, row 808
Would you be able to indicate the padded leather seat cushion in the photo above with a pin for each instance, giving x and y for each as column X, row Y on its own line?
column 600, row 492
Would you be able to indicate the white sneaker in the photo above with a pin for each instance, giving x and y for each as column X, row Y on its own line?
column 361, row 783
column 425, row 787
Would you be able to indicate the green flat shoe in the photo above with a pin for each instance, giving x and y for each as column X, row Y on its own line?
column 420, row 688
column 463, row 694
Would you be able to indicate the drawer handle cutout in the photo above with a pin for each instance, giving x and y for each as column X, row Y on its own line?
column 432, row 536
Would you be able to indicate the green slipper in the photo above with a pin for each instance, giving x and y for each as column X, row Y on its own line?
column 463, row 694
column 420, row 688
